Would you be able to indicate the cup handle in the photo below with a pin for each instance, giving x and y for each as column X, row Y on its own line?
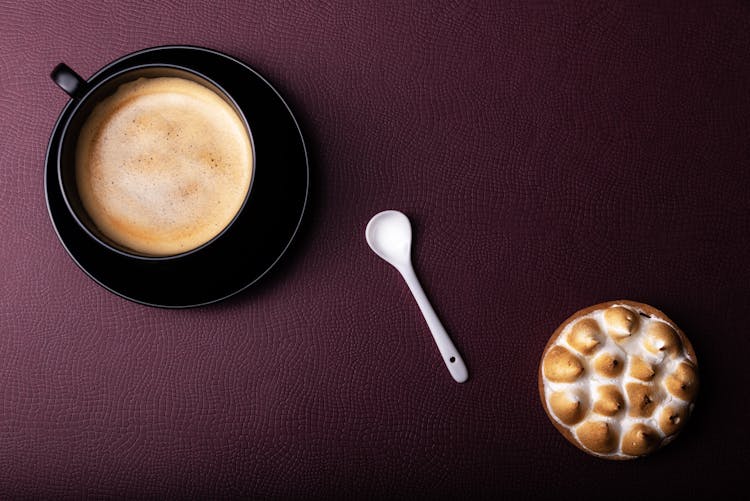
column 69, row 81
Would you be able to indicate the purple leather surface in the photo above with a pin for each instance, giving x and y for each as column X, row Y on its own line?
column 550, row 155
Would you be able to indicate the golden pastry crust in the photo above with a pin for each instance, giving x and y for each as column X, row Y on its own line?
column 639, row 366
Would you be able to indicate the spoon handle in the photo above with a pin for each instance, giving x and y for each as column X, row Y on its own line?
column 448, row 351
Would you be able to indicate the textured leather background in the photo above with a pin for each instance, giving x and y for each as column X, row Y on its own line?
column 551, row 156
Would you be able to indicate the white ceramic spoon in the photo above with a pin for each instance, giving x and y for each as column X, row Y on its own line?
column 389, row 236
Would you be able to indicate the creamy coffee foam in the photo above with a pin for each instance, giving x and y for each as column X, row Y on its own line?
column 163, row 165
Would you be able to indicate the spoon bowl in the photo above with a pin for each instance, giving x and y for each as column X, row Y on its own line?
column 389, row 235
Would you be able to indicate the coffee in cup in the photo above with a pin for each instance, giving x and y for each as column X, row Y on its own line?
column 163, row 165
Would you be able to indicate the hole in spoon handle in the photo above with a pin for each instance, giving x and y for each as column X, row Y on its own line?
column 457, row 368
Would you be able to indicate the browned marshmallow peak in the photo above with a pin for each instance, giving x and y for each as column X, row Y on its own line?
column 618, row 379
column 683, row 382
column 642, row 398
column 671, row 418
column 609, row 401
column 163, row 165
column 640, row 440
column 620, row 322
column 569, row 408
column 597, row 436
column 640, row 369
column 561, row 365
column 585, row 336
column 608, row 365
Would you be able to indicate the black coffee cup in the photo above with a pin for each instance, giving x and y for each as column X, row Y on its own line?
column 86, row 97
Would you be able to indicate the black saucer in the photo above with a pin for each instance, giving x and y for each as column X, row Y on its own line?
column 257, row 239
